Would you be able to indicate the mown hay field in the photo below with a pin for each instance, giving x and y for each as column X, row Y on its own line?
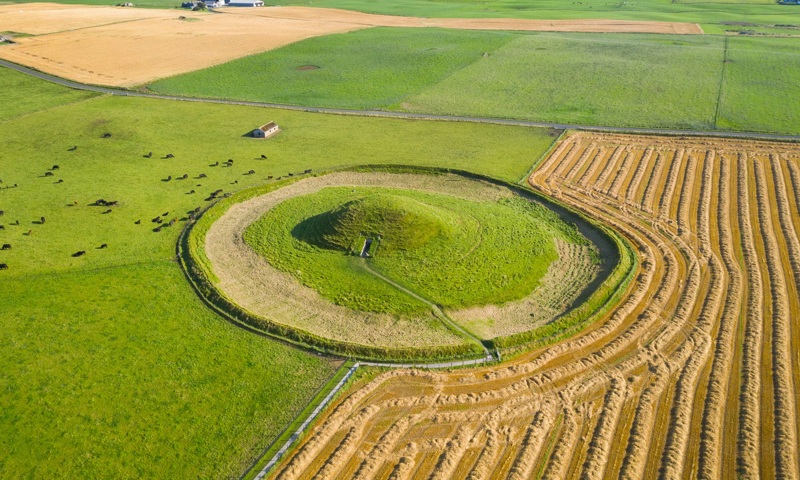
column 692, row 374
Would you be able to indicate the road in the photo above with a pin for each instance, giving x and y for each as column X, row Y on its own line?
column 416, row 116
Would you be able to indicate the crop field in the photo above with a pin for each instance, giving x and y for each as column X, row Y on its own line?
column 692, row 374
column 659, row 81
column 126, row 47
column 110, row 358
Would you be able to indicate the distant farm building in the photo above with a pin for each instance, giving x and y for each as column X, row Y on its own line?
column 266, row 130
column 245, row 3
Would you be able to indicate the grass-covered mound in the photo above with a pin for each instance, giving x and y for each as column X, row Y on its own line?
column 401, row 223
column 449, row 250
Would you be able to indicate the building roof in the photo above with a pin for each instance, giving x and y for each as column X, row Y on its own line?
column 267, row 126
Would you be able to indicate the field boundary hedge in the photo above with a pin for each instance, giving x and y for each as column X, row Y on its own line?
column 197, row 269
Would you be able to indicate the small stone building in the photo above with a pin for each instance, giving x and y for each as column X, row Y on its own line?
column 266, row 130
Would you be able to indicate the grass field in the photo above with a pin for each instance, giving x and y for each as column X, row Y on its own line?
column 22, row 94
column 622, row 80
column 364, row 69
column 634, row 80
column 110, row 358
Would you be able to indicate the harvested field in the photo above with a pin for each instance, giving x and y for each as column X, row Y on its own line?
column 372, row 20
column 694, row 373
column 125, row 47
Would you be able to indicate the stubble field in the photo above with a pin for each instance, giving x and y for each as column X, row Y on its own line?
column 693, row 374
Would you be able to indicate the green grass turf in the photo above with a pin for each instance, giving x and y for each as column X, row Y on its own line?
column 363, row 69
column 123, row 373
column 111, row 366
column 620, row 80
column 761, row 91
column 22, row 94
column 502, row 248
column 624, row 80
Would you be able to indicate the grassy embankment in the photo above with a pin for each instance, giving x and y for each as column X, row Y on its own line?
column 626, row 80
column 110, row 358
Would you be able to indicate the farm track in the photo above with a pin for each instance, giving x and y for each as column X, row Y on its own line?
column 692, row 374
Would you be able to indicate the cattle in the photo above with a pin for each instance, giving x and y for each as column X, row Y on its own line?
column 54, row 167
column 48, row 174
column 107, row 212
column 73, row 148
column 28, row 233
column 41, row 220
column 16, row 222
column 79, row 253
column 214, row 164
column 190, row 192
column 264, row 157
column 291, row 174
column 184, row 177
column 105, row 245
column 250, row 172
column 307, row 170
column 169, row 155
column 269, row 178
column 169, row 177
column 2, row 227
column 148, row 155
column 234, row 182
column 107, row 135
column 6, row 246
column 137, row 222
column 230, row 161
column 202, row 175
column 226, row 195
column 165, row 214
column 156, row 220
column 3, row 266
column 60, row 180
column 2, row 212
column 112, row 203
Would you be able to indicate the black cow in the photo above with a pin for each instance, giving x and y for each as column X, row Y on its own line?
column 107, row 135
column 79, row 253
column 3, row 266
column 250, row 172
column 105, row 245
column 41, row 220
column 169, row 155
column 214, row 164
column 54, row 167
column 190, row 192
column 263, row 156
column 202, row 175
column 106, row 212
column 6, row 246
column 2, row 227
column 73, row 148
column 48, row 174
column 269, row 178
column 137, row 222
column 2, row 212
column 307, row 171
column 184, row 177
column 148, row 155
column 60, row 180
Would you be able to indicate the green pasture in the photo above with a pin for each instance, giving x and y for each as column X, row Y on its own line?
column 464, row 253
column 111, row 365
column 22, row 94
column 619, row 80
column 761, row 91
column 624, row 80
column 364, row 69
